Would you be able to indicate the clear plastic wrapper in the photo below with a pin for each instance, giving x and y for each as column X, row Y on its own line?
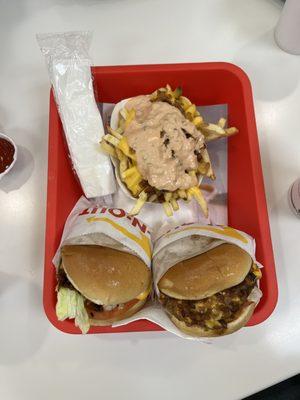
column 69, row 68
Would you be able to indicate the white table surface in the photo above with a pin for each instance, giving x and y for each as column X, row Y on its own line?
column 36, row 360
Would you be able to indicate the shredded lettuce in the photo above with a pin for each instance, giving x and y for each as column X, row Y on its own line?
column 70, row 304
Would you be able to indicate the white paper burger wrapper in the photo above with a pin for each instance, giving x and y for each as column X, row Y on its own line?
column 95, row 224
column 190, row 240
column 101, row 225
column 178, row 244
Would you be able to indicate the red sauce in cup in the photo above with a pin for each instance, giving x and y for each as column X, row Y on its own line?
column 7, row 152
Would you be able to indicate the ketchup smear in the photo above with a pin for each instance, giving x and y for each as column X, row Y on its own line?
column 7, row 152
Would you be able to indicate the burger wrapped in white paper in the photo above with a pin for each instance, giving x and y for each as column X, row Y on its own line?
column 206, row 278
column 103, row 266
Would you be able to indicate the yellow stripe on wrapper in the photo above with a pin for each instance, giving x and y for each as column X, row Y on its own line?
column 141, row 240
column 222, row 230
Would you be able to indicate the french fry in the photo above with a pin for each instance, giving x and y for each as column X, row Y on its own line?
column 174, row 204
column 129, row 118
column 107, row 148
column 124, row 113
column 124, row 147
column 192, row 173
column 208, row 129
column 168, row 196
column 231, row 131
column 222, row 123
column 121, row 123
column 190, row 112
column 111, row 139
column 185, row 102
column 139, row 203
column 152, row 198
column 131, row 171
column 197, row 121
column 120, row 154
column 188, row 197
column 117, row 133
column 206, row 159
column 168, row 209
column 196, row 192
column 212, row 131
column 136, row 190
column 182, row 193
column 132, row 181
column 123, row 165
column 203, row 167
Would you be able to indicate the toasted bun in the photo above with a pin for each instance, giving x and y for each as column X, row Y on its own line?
column 206, row 274
column 129, row 313
column 232, row 326
column 104, row 275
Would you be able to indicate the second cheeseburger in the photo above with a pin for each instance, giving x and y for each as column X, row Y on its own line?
column 113, row 284
column 211, row 294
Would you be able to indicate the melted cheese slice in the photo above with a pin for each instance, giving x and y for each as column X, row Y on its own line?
column 144, row 295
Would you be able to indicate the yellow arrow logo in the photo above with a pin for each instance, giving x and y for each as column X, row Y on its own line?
column 142, row 241
column 224, row 230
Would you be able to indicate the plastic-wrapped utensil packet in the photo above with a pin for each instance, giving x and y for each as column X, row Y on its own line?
column 69, row 68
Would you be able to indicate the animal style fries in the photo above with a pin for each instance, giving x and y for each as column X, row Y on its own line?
column 173, row 165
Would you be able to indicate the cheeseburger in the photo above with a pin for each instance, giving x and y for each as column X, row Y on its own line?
column 100, row 285
column 211, row 294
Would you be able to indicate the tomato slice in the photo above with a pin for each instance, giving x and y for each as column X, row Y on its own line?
column 106, row 315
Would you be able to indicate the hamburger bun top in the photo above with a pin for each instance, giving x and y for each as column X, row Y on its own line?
column 206, row 274
column 104, row 275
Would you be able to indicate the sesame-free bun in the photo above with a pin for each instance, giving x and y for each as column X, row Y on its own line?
column 104, row 275
column 233, row 326
column 206, row 274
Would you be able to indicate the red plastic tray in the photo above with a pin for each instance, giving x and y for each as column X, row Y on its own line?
column 204, row 84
